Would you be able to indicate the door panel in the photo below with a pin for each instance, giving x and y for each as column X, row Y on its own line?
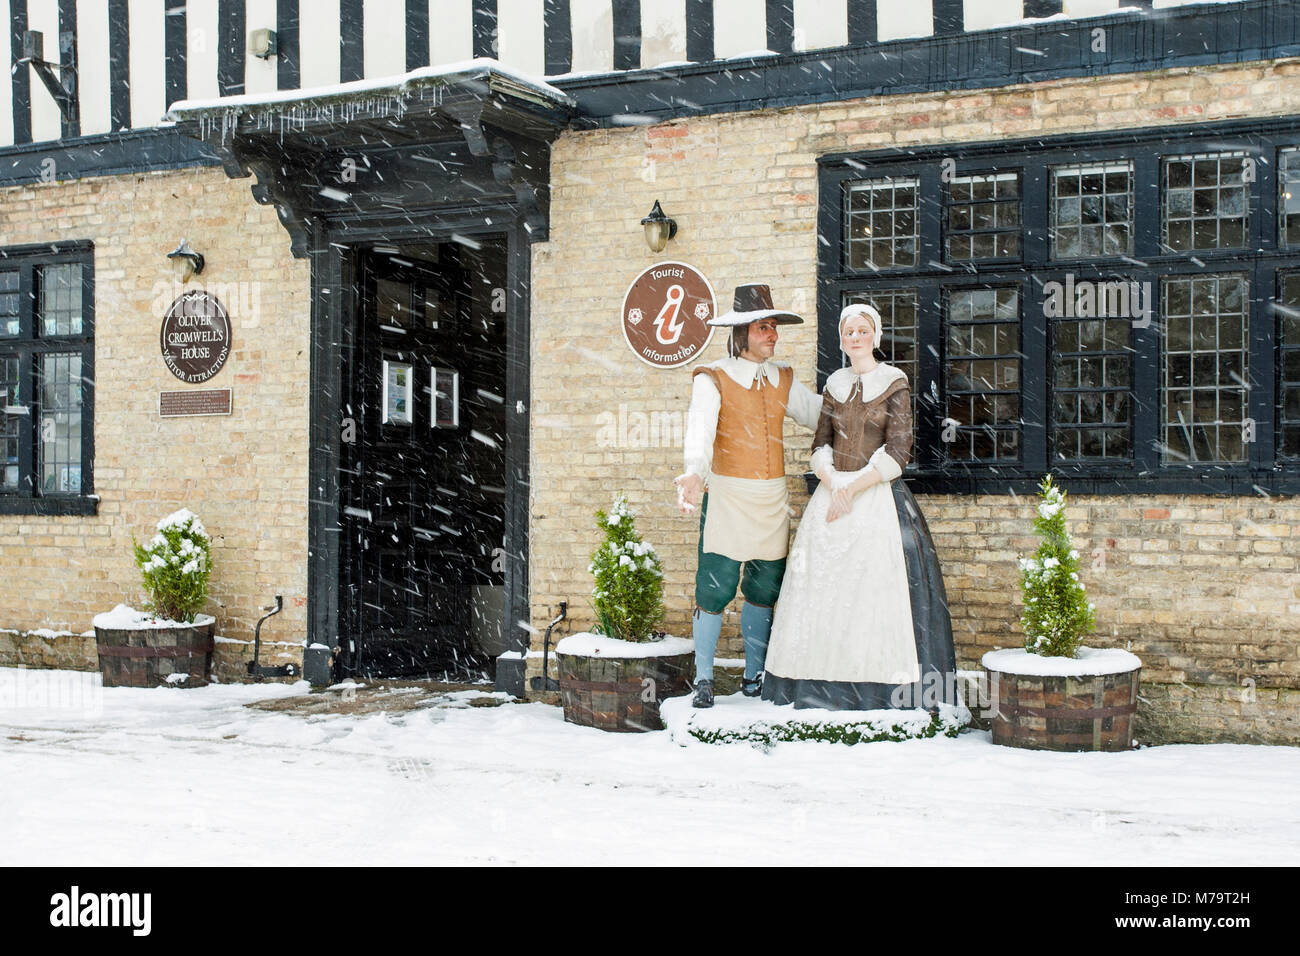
column 424, row 506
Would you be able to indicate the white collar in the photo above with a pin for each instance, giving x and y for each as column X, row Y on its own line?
column 874, row 382
column 743, row 372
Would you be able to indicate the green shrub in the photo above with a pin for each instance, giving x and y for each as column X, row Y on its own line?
column 175, row 565
column 1057, row 614
column 629, row 595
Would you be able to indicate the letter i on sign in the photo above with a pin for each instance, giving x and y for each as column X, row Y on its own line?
column 670, row 314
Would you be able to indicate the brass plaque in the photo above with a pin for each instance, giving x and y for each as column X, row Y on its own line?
column 205, row 401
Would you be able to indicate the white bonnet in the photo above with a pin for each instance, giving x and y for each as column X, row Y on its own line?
column 862, row 309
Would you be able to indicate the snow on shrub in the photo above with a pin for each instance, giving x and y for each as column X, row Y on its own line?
column 629, row 595
column 175, row 565
column 1056, row 614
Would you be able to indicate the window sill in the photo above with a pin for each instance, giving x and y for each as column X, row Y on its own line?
column 53, row 505
column 1242, row 485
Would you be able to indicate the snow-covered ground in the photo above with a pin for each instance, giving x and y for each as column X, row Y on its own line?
column 125, row 776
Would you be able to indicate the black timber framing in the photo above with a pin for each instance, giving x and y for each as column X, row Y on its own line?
column 22, row 75
column 417, row 34
column 557, row 34
column 779, row 15
column 352, row 51
column 1137, row 41
column 627, row 34
column 232, row 49
column 71, row 123
column 288, row 58
column 483, row 28
column 119, row 66
column 1263, row 261
column 862, row 22
column 699, row 30
column 1046, row 8
column 175, row 46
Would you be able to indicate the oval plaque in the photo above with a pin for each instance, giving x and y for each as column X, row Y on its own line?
column 665, row 311
column 195, row 336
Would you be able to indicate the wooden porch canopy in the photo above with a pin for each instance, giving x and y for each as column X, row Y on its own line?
column 449, row 137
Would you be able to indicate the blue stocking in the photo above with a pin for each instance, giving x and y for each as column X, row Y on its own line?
column 705, row 628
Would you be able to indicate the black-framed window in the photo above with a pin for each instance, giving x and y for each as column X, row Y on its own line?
column 881, row 224
column 1158, row 339
column 1288, row 404
column 1091, row 210
column 1288, row 205
column 983, row 218
column 1092, row 381
column 1207, row 201
column 1204, row 374
column 982, row 374
column 46, row 379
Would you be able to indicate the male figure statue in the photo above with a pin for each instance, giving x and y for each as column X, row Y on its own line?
column 734, row 447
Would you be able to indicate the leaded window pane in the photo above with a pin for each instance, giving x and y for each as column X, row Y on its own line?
column 982, row 374
column 1288, row 205
column 1289, row 368
column 983, row 217
column 1092, row 376
column 882, row 225
column 60, row 299
column 8, row 304
column 899, row 332
column 11, row 419
column 1204, row 368
column 60, row 426
column 1092, row 210
column 1206, row 201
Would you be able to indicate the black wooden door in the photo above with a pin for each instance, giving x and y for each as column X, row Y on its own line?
column 424, row 515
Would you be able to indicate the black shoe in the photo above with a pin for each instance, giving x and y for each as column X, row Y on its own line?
column 703, row 694
column 752, row 688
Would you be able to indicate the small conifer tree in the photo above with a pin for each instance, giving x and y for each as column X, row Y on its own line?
column 629, row 594
column 176, row 563
column 1056, row 614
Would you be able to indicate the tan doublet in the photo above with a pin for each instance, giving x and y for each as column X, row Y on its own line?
column 748, row 514
column 750, row 424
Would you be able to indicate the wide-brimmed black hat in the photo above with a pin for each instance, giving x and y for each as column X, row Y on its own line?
column 752, row 303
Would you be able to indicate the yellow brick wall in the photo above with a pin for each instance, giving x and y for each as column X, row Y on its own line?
column 245, row 475
column 1208, row 594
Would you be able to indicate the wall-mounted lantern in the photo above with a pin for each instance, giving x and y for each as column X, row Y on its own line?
column 190, row 262
column 658, row 228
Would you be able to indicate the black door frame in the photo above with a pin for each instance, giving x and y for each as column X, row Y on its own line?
column 333, row 305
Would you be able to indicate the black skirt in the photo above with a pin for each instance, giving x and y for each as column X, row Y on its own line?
column 931, row 626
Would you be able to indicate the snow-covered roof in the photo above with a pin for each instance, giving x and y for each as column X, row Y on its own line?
column 499, row 78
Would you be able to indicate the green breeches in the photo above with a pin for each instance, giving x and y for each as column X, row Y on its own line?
column 716, row 577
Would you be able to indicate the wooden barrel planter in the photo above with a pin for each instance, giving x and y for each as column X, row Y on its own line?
column 152, row 655
column 1068, row 704
column 618, row 685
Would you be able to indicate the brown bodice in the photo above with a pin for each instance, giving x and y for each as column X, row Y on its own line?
column 855, row 429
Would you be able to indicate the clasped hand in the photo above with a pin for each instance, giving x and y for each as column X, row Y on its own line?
column 844, row 492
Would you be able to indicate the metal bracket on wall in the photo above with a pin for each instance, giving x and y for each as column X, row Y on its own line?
column 63, row 88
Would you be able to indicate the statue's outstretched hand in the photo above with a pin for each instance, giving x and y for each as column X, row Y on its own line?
column 690, row 488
